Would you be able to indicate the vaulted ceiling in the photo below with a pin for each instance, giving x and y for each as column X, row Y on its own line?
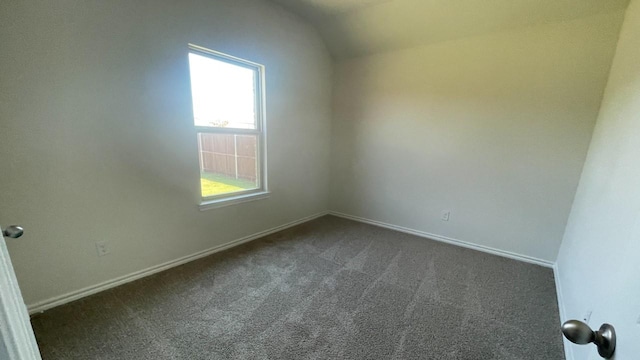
column 360, row 27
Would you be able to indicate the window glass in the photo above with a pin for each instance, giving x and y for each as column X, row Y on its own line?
column 223, row 93
column 228, row 163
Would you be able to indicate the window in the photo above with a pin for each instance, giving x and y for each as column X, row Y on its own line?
column 229, row 122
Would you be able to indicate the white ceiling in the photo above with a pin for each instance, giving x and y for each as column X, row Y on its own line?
column 360, row 27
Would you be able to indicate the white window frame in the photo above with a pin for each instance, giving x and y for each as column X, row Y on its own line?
column 261, row 192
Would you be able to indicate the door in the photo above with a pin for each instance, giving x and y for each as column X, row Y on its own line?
column 17, row 341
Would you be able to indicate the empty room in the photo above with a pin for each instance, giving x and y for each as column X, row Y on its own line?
column 320, row 179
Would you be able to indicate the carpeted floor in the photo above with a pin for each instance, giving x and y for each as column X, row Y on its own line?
column 328, row 289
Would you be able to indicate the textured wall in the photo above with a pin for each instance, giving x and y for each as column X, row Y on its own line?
column 97, row 137
column 599, row 263
column 494, row 128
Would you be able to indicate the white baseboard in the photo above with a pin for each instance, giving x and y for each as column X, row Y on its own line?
column 568, row 349
column 448, row 240
column 78, row 294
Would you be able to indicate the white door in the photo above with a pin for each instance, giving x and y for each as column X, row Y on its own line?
column 17, row 341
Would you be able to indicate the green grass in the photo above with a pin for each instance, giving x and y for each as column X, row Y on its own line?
column 215, row 184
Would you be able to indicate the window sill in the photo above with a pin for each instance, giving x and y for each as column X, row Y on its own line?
column 215, row 204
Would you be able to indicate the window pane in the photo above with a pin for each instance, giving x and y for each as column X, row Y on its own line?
column 223, row 93
column 228, row 163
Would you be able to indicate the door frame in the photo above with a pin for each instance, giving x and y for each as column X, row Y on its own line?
column 16, row 332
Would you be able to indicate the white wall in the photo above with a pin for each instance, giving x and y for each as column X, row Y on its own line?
column 97, row 140
column 599, row 261
column 494, row 128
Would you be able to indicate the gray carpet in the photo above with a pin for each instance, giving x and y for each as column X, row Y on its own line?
column 328, row 289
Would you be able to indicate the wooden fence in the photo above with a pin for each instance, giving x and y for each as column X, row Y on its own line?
column 229, row 155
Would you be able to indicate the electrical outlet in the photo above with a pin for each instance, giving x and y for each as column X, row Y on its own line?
column 587, row 316
column 445, row 215
column 102, row 247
